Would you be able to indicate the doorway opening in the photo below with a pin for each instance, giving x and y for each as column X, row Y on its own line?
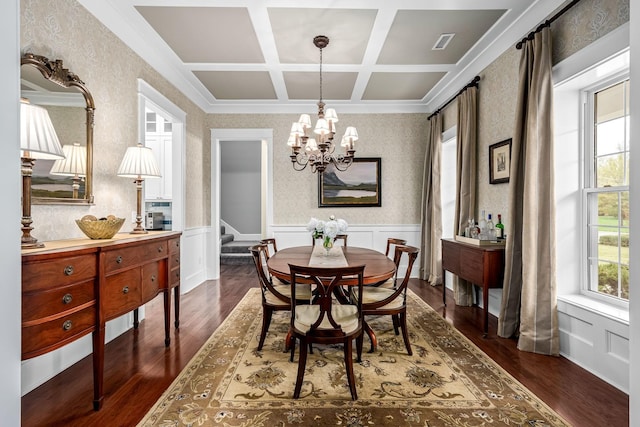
column 231, row 145
column 162, row 128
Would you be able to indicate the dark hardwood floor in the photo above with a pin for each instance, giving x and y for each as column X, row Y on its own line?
column 138, row 367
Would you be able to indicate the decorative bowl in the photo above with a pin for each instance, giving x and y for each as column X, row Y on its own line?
column 103, row 228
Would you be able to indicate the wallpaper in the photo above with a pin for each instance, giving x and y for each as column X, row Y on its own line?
column 497, row 91
column 63, row 29
column 398, row 139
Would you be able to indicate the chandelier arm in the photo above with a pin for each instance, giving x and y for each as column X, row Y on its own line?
column 342, row 163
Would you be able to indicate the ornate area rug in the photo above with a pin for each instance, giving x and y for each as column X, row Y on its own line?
column 447, row 382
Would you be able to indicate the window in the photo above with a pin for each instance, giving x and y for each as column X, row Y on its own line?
column 606, row 188
column 448, row 185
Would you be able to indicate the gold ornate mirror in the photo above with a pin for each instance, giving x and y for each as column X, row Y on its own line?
column 70, row 105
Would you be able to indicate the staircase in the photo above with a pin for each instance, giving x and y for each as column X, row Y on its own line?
column 234, row 252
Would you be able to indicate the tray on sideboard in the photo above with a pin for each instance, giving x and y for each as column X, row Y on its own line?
column 478, row 242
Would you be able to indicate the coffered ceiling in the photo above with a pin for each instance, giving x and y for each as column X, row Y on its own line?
column 258, row 56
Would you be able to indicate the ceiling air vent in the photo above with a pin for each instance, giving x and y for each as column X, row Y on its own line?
column 443, row 41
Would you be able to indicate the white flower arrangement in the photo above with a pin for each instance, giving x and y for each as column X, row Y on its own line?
column 327, row 229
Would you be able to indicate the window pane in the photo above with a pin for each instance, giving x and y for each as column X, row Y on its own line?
column 611, row 171
column 608, row 250
column 610, row 103
column 610, row 137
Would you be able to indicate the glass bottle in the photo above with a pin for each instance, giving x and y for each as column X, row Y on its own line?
column 482, row 225
column 491, row 230
column 500, row 228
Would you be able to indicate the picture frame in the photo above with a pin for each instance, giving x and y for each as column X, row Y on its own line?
column 358, row 186
column 499, row 161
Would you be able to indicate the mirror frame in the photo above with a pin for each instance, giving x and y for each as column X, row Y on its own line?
column 53, row 71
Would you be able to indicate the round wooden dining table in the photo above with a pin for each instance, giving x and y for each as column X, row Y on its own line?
column 377, row 266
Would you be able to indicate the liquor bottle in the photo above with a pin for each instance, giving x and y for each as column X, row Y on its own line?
column 500, row 228
column 482, row 224
column 491, row 230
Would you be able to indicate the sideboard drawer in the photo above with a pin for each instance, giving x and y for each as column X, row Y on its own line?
column 174, row 246
column 43, row 337
column 36, row 305
column 174, row 277
column 53, row 273
column 153, row 279
column 132, row 256
column 121, row 293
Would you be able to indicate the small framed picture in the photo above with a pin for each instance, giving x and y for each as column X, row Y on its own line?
column 358, row 186
column 499, row 161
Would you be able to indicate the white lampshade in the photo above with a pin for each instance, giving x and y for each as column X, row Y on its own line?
column 38, row 139
column 311, row 145
column 330, row 114
column 351, row 133
column 322, row 127
column 74, row 163
column 305, row 121
column 139, row 162
column 293, row 141
column 297, row 129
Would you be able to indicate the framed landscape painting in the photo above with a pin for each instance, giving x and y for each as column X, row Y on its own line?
column 358, row 186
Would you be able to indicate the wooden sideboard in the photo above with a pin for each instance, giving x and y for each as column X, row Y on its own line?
column 73, row 287
column 480, row 265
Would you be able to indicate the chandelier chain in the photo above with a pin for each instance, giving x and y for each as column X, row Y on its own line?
column 320, row 74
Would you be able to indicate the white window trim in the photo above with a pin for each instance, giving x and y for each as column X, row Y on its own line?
column 571, row 274
column 587, row 145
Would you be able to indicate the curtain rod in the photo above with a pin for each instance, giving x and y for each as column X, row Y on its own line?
column 473, row 82
column 546, row 23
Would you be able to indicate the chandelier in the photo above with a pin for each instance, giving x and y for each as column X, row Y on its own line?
column 319, row 152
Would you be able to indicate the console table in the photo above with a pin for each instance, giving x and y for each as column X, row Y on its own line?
column 480, row 265
column 73, row 287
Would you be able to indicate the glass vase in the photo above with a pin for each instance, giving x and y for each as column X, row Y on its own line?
column 327, row 243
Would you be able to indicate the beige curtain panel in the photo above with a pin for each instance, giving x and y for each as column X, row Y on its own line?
column 529, row 296
column 465, row 179
column 431, row 217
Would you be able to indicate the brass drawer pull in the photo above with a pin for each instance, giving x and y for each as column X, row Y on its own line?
column 67, row 325
column 68, row 270
column 119, row 259
column 125, row 290
column 66, row 299
column 160, row 248
column 153, row 278
column 177, row 260
column 178, row 274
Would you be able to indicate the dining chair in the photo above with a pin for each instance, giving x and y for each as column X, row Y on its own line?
column 271, row 243
column 340, row 238
column 276, row 295
column 392, row 242
column 378, row 300
column 327, row 321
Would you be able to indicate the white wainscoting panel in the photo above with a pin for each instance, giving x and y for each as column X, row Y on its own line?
column 598, row 343
column 193, row 258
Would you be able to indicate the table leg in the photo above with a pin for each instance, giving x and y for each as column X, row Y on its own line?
column 176, row 304
column 485, row 306
column 136, row 322
column 167, row 316
column 98, row 367
column 444, row 288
